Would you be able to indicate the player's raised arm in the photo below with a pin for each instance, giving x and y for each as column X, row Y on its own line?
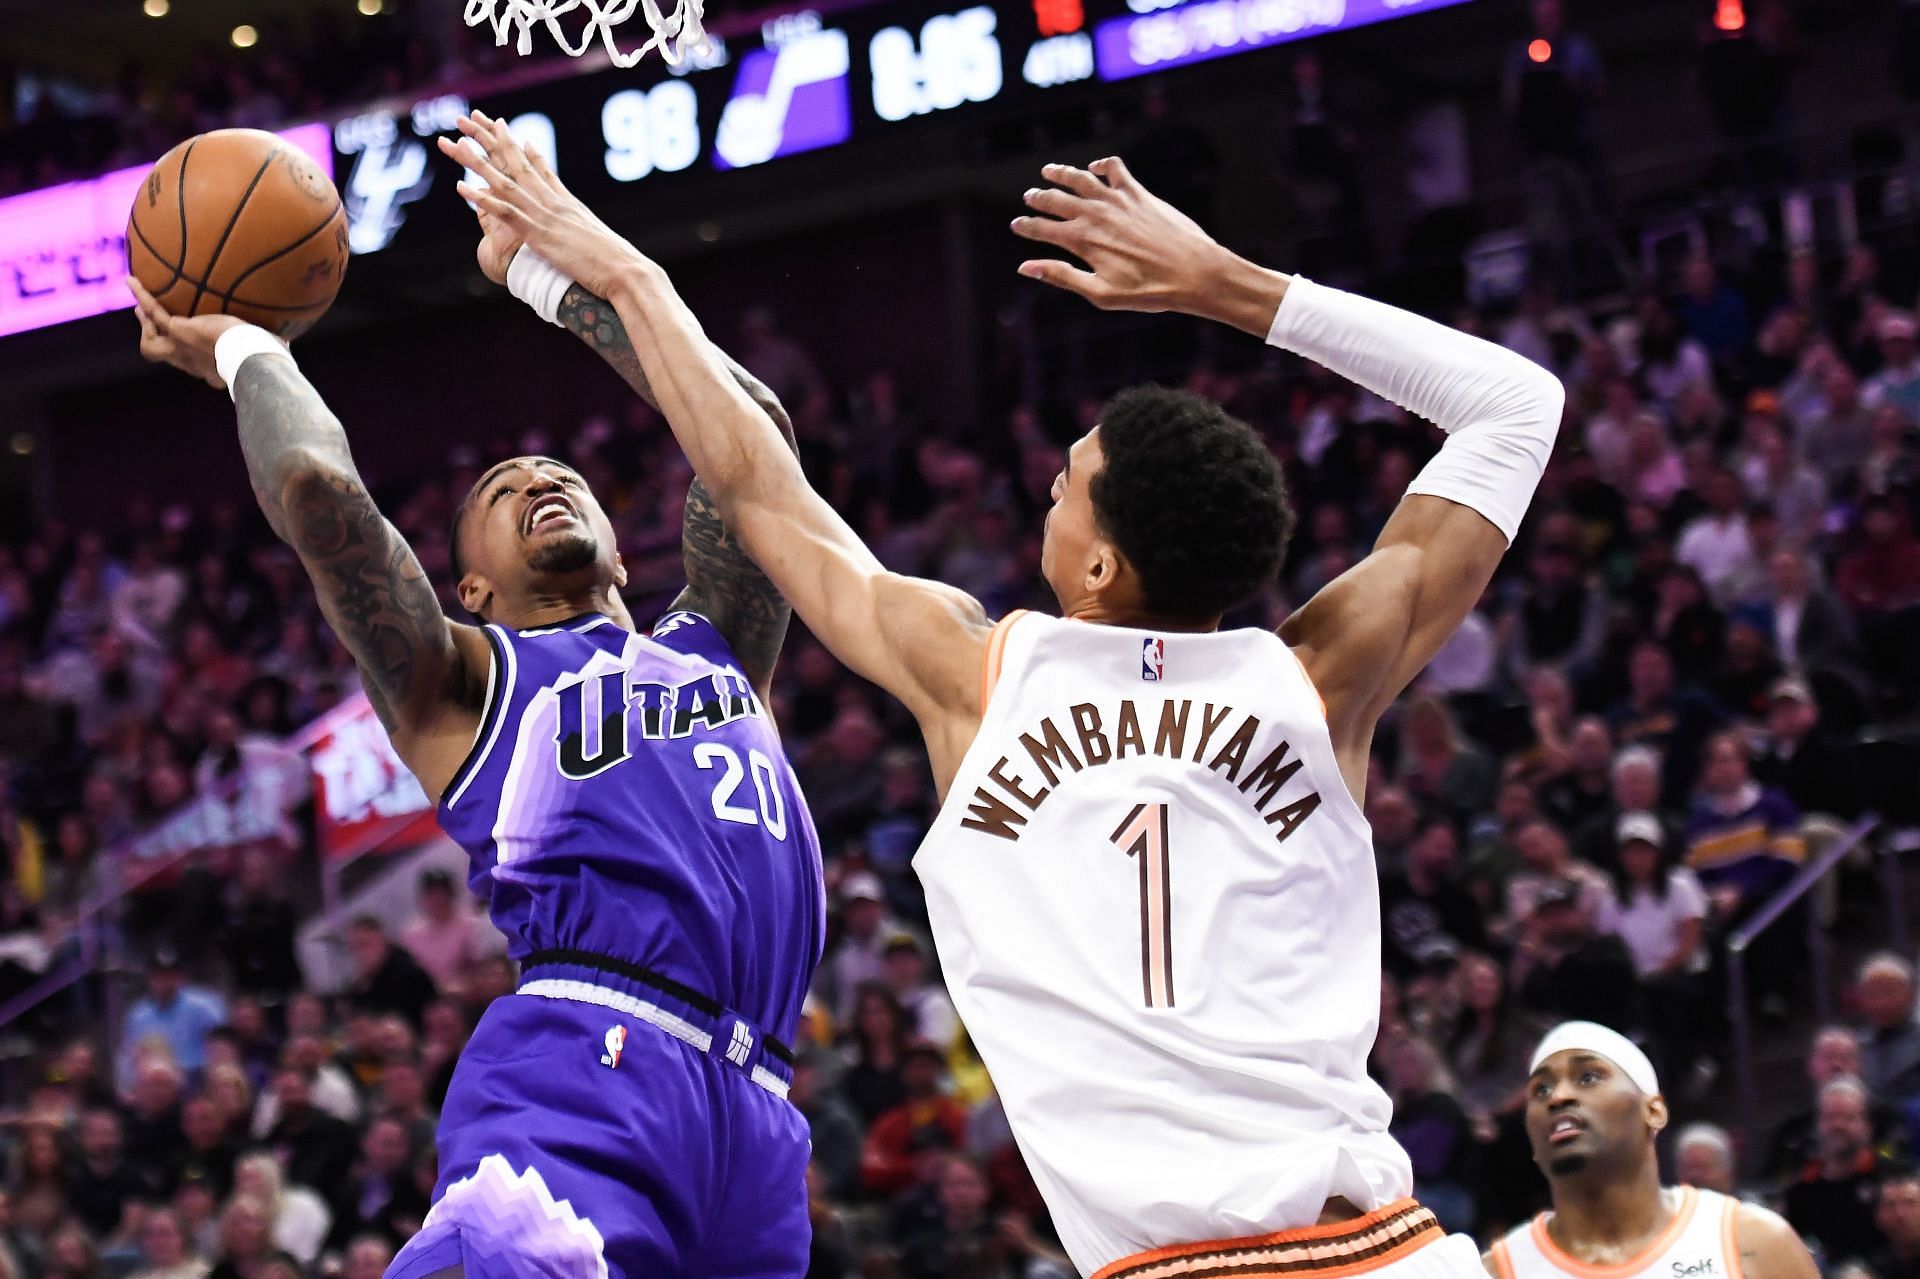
column 1367, row 634
column 921, row 641
column 425, row 675
column 723, row 583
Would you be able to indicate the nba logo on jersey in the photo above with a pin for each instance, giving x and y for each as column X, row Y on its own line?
column 1153, row 660
column 616, row 1041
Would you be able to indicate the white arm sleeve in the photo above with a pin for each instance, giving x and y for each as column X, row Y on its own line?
column 1500, row 411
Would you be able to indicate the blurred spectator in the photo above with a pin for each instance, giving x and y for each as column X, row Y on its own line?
column 1811, row 631
column 876, row 1048
column 367, row 1258
column 1896, row 1214
column 1428, row 902
column 446, row 935
column 922, row 1127
column 207, row 1150
column 153, row 1135
column 860, row 957
column 313, row 1147
column 1890, row 1053
column 165, row 1250
column 380, row 1198
column 245, row 1240
column 1898, row 381
column 1834, row 1054
column 102, row 1184
column 1430, row 1125
column 1715, row 544
column 1659, row 910
column 297, row 1217
column 1703, row 1158
column 385, row 978
column 929, row 1013
column 1831, row 1204
column 1549, row 866
column 257, row 934
column 1438, row 765
column 1743, row 839
column 173, row 1013
column 1567, row 969
column 1803, row 759
column 1659, row 713
column 836, row 1131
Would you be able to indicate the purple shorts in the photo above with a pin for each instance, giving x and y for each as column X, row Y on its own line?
column 579, row 1141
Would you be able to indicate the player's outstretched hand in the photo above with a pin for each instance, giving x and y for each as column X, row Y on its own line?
column 1144, row 254
column 184, row 342
column 524, row 203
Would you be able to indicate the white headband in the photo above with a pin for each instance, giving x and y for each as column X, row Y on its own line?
column 1601, row 1041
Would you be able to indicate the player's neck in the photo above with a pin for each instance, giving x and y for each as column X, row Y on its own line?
column 1605, row 1221
column 551, row 610
column 1100, row 614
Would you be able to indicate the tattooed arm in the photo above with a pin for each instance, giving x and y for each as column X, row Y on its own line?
column 723, row 584
column 424, row 674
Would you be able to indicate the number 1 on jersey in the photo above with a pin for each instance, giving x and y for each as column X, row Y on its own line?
column 1143, row 835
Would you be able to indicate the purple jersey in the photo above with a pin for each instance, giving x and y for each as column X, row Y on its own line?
column 628, row 797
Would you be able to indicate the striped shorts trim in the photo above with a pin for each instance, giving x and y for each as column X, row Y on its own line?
column 1323, row 1252
column 581, row 992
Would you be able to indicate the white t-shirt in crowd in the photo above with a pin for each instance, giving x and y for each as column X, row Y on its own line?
column 1651, row 927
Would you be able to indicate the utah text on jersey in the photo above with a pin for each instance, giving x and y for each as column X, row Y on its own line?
column 1106, row 733
column 598, row 713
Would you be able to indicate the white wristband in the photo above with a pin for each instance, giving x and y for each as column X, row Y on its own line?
column 241, row 343
column 538, row 283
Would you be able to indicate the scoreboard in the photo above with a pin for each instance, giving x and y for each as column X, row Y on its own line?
column 806, row 81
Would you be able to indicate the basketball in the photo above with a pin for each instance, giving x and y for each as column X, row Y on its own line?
column 238, row 222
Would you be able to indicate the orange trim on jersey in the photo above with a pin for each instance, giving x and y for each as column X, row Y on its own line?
column 1502, row 1259
column 1322, row 1252
column 1730, row 1235
column 1689, row 1200
column 1311, row 686
column 996, row 652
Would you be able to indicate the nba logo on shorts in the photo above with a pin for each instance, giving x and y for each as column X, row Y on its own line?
column 1153, row 660
column 616, row 1041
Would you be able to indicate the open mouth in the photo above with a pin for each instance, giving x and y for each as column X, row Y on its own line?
column 1564, row 1129
column 550, row 511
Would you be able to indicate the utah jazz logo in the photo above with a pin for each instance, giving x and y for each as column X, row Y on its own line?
column 593, row 740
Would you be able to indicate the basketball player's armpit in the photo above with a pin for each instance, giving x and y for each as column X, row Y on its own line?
column 370, row 585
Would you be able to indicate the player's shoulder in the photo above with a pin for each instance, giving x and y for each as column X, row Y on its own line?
column 1769, row 1247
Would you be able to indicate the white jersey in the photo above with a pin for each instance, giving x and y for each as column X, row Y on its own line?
column 1698, row 1243
column 1155, row 904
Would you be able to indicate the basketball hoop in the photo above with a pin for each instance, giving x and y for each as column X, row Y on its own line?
column 675, row 33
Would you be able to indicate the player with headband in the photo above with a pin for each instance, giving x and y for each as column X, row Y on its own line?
column 1594, row 1110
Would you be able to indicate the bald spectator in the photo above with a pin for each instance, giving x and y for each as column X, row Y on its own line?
column 1703, row 1158
column 1890, row 1052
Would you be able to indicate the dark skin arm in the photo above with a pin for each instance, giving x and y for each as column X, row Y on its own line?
column 723, row 584
column 424, row 674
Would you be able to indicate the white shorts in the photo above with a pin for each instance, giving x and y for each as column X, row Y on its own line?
column 1400, row 1241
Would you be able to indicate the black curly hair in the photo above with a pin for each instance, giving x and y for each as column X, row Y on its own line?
column 1193, row 498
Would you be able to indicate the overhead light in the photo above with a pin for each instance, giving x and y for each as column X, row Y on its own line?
column 22, row 443
column 1540, row 51
column 370, row 7
column 245, row 37
column 154, row 8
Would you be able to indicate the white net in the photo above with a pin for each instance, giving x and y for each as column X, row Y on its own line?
column 676, row 33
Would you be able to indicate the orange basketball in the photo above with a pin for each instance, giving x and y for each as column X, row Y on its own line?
column 237, row 221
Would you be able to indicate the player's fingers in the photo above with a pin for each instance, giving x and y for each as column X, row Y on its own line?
column 1116, row 174
column 484, row 163
column 1064, row 276
column 1061, row 204
column 1045, row 230
column 494, row 207
column 1078, row 181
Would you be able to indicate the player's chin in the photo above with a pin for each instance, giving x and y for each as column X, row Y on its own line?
column 1567, row 1164
column 567, row 551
